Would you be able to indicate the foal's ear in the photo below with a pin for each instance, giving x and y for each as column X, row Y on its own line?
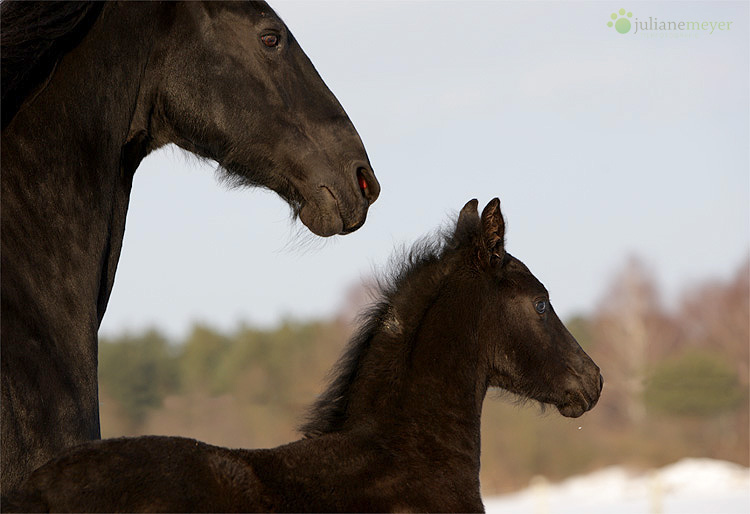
column 493, row 231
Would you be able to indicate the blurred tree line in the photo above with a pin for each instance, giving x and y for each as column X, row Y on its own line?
column 676, row 384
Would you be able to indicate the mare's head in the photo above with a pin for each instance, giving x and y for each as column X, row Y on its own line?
column 527, row 349
column 224, row 80
column 235, row 86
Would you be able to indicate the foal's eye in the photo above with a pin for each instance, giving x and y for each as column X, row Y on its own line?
column 270, row 40
column 540, row 306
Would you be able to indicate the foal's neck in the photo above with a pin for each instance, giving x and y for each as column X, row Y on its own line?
column 431, row 394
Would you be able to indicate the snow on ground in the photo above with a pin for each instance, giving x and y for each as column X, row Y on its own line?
column 690, row 486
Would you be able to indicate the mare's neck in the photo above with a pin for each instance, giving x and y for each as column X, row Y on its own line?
column 67, row 174
column 433, row 399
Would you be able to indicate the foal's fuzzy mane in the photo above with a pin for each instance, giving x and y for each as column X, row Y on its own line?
column 35, row 35
column 412, row 280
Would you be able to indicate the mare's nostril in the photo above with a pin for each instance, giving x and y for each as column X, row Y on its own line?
column 601, row 382
column 362, row 182
column 368, row 184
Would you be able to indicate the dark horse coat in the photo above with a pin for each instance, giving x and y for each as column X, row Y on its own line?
column 88, row 90
column 398, row 428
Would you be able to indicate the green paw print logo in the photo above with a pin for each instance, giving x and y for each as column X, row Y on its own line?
column 621, row 24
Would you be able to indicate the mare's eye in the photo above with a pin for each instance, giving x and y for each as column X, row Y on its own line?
column 270, row 40
column 540, row 306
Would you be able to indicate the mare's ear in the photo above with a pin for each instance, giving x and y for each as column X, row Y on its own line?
column 493, row 231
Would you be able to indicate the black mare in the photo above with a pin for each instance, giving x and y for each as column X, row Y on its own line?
column 398, row 428
column 88, row 90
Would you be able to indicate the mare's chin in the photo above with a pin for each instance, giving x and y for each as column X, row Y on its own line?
column 321, row 222
column 322, row 214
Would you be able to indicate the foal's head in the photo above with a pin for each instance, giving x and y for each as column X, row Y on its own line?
column 463, row 297
column 528, row 350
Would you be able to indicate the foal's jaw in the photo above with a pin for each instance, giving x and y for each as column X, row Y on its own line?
column 578, row 403
column 582, row 391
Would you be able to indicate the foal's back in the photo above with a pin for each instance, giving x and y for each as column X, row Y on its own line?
column 173, row 474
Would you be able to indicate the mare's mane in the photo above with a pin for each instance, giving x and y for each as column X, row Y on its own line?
column 404, row 293
column 34, row 36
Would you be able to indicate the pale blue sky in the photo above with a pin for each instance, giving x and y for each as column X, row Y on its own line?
column 600, row 145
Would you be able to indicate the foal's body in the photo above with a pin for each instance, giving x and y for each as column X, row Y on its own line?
column 399, row 427
column 332, row 473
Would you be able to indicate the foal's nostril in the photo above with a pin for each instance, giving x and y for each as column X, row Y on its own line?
column 601, row 382
column 368, row 184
